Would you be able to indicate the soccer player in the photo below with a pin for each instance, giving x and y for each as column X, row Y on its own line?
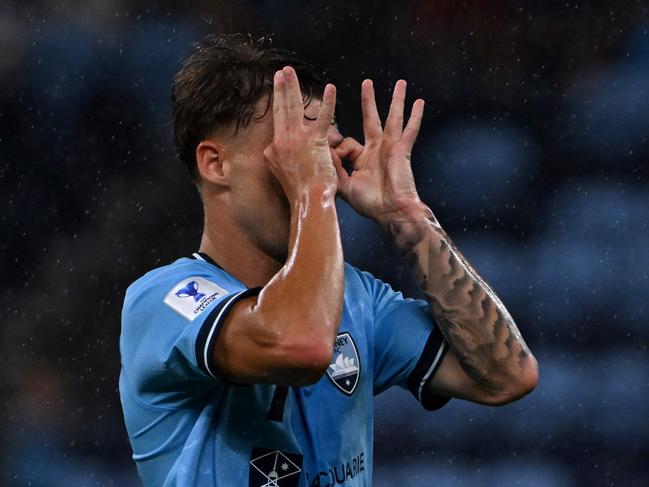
column 254, row 361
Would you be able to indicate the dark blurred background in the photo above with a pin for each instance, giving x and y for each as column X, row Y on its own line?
column 533, row 155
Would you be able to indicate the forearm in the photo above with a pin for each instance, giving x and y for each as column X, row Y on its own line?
column 303, row 301
column 476, row 324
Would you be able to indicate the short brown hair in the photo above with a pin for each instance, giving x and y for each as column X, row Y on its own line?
column 219, row 84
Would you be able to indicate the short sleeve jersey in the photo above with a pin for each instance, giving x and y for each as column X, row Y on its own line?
column 190, row 426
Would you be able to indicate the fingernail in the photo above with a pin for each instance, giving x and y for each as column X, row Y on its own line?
column 279, row 76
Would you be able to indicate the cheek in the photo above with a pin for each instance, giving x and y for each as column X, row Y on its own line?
column 276, row 204
column 263, row 192
column 255, row 186
column 275, row 188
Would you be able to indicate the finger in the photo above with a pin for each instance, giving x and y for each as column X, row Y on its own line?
column 351, row 149
column 394, row 122
column 411, row 131
column 342, row 176
column 294, row 103
column 327, row 110
column 371, row 121
column 279, row 100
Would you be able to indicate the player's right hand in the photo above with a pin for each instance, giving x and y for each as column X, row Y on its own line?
column 299, row 155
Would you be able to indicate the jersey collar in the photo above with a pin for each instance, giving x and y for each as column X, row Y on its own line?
column 206, row 258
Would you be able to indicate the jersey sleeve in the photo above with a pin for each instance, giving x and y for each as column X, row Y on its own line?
column 170, row 324
column 408, row 345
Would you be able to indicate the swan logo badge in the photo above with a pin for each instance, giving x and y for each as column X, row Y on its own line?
column 345, row 370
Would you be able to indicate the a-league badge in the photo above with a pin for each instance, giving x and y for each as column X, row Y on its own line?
column 274, row 468
column 345, row 370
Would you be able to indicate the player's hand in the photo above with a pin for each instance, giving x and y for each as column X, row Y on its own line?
column 299, row 155
column 382, row 183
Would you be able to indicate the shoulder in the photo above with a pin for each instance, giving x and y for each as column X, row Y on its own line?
column 184, row 278
column 358, row 280
column 182, row 290
column 167, row 307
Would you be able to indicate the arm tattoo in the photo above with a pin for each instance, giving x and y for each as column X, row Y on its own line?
column 476, row 324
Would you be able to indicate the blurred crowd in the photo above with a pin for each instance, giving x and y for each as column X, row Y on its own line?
column 533, row 155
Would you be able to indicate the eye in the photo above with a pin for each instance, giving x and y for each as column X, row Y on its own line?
column 334, row 120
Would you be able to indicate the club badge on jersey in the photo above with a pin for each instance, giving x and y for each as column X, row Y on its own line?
column 345, row 370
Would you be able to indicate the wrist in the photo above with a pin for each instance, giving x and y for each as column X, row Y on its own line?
column 411, row 225
column 416, row 212
column 320, row 193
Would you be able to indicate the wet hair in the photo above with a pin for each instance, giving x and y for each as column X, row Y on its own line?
column 220, row 83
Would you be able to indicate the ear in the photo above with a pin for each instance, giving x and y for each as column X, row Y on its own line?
column 210, row 162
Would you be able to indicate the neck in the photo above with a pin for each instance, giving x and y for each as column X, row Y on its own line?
column 231, row 248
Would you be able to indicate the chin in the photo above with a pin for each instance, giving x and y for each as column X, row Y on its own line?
column 271, row 238
column 272, row 228
column 279, row 250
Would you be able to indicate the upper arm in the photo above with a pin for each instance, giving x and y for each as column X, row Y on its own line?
column 408, row 347
column 452, row 380
column 411, row 351
column 249, row 350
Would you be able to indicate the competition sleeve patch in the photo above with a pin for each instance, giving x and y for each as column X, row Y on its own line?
column 430, row 360
column 192, row 296
column 210, row 330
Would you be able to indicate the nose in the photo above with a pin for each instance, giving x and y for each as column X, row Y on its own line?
column 334, row 137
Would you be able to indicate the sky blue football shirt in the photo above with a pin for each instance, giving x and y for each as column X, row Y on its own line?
column 189, row 426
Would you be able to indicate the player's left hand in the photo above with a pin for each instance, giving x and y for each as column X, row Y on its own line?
column 381, row 183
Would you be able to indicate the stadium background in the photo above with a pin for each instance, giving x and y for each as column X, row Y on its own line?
column 533, row 155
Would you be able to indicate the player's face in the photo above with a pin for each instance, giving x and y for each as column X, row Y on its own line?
column 258, row 201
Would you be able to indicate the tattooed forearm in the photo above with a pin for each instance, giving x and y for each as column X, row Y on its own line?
column 476, row 324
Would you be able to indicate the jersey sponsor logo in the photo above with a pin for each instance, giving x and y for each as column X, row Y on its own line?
column 274, row 468
column 191, row 296
column 345, row 370
column 339, row 473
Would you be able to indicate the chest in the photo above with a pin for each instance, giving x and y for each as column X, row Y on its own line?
column 324, row 429
column 345, row 387
column 347, row 383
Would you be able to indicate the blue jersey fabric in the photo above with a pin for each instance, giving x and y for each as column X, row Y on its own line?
column 189, row 426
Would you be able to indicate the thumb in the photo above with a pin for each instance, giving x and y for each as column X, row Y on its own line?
column 351, row 149
column 343, row 179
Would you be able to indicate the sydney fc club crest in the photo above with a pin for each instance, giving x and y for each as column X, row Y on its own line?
column 345, row 370
column 274, row 468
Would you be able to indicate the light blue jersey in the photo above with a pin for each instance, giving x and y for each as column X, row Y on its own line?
column 189, row 426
